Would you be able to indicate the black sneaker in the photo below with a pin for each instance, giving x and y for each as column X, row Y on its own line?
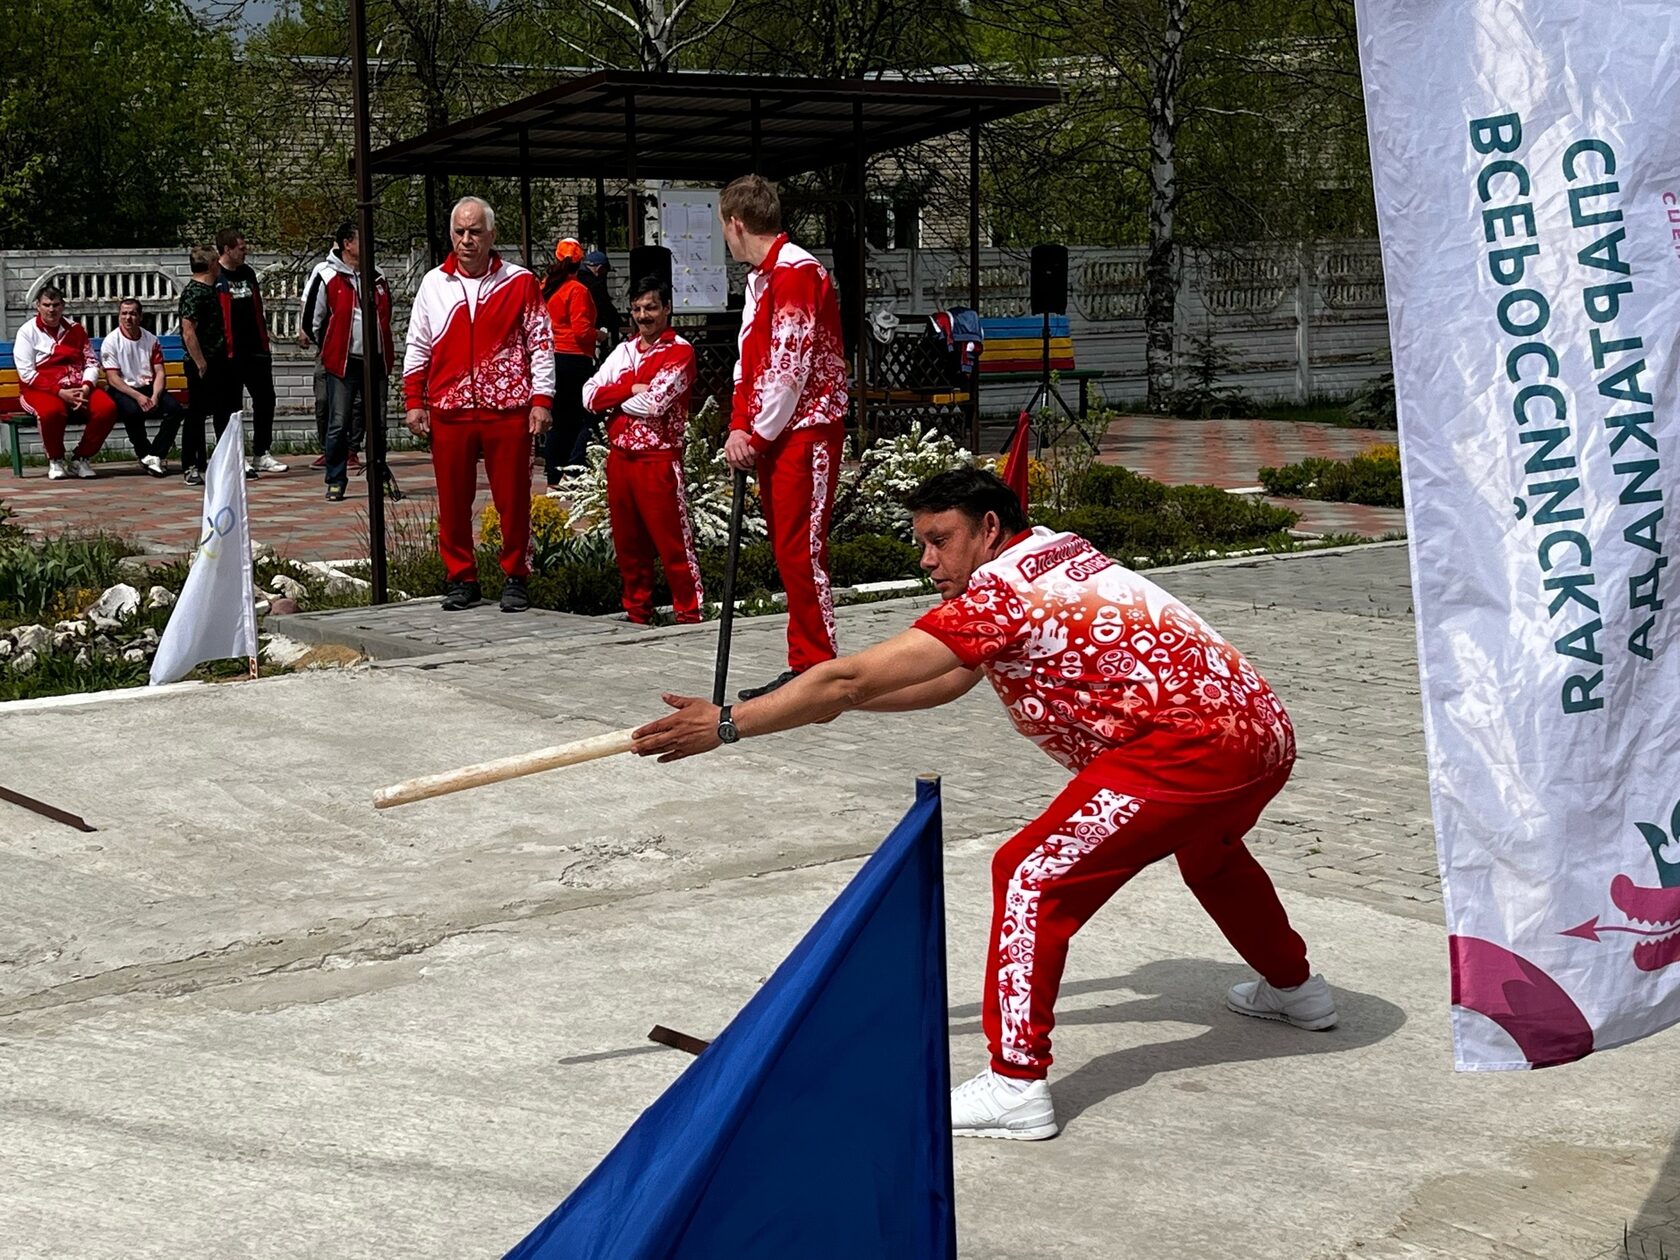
column 193, row 477
column 514, row 596
column 780, row 680
column 335, row 494
column 462, row 595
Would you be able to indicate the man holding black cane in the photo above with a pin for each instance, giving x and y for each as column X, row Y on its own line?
column 788, row 417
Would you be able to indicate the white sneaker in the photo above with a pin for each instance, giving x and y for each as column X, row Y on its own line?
column 56, row 471
column 995, row 1106
column 153, row 465
column 82, row 468
column 1308, row 1005
column 267, row 463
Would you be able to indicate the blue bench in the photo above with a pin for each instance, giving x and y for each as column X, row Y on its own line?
column 15, row 418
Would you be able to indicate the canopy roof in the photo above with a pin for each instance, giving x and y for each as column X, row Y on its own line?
column 702, row 127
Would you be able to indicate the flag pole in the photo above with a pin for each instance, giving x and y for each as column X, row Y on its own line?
column 372, row 344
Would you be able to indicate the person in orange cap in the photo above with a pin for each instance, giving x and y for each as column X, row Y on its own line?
column 572, row 312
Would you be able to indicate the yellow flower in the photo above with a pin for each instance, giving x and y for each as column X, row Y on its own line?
column 549, row 521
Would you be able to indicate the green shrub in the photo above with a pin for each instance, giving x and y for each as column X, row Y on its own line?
column 1103, row 485
column 872, row 558
column 1372, row 478
column 755, row 570
column 1127, row 516
column 1212, row 515
column 1373, row 407
column 1125, row 534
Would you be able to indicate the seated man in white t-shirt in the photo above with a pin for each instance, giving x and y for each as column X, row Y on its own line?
column 134, row 377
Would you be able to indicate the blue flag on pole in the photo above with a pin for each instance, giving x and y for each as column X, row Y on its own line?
column 818, row 1123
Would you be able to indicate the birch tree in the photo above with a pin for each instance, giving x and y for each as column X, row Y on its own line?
column 1189, row 124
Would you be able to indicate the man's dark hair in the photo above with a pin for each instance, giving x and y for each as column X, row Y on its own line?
column 651, row 284
column 344, row 232
column 974, row 492
column 50, row 291
column 227, row 238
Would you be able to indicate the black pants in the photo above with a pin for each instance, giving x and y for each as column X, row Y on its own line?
column 168, row 412
column 569, row 436
column 208, row 397
column 254, row 374
column 320, row 404
column 345, row 421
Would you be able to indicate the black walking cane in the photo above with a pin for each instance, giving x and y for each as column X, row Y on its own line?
column 726, row 614
column 720, row 687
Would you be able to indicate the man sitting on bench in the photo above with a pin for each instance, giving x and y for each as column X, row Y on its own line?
column 134, row 373
column 58, row 381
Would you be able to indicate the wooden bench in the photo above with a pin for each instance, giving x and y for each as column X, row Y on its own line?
column 1014, row 354
column 15, row 418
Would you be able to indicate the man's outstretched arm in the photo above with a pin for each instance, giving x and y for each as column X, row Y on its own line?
column 825, row 691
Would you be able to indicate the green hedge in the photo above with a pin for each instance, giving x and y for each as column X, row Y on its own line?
column 1372, row 478
column 1127, row 516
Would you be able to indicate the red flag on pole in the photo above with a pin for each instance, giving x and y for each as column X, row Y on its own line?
column 1020, row 458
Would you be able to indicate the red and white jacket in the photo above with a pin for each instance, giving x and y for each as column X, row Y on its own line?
column 54, row 360
column 657, row 419
column 497, row 357
column 1111, row 675
column 334, row 312
column 791, row 373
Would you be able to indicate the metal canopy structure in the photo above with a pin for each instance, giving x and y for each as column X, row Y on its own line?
column 709, row 129
column 703, row 127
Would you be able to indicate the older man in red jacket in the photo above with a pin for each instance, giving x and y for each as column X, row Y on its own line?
column 479, row 377
column 58, row 381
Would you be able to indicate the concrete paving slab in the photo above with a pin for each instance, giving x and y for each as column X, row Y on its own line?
column 252, row 1017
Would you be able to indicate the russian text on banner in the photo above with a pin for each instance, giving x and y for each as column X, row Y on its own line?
column 214, row 618
column 818, row 1123
column 1527, row 173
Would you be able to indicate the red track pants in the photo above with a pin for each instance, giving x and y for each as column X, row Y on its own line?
column 52, row 414
column 648, row 503
column 1059, row 870
column 796, row 478
column 503, row 439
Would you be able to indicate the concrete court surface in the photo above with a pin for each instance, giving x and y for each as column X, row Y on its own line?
column 250, row 1017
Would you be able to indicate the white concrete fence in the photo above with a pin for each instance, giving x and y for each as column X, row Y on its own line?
column 1295, row 323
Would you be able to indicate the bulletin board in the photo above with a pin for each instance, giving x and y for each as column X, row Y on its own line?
column 689, row 228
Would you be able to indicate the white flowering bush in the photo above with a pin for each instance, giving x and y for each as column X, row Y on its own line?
column 871, row 494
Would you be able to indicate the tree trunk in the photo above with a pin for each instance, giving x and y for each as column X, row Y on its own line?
column 1160, row 270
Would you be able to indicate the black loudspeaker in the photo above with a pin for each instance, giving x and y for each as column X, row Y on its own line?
column 1049, row 280
column 649, row 260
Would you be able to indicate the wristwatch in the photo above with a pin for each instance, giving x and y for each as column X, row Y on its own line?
column 727, row 731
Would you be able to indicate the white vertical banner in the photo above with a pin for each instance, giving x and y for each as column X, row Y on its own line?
column 215, row 618
column 1526, row 158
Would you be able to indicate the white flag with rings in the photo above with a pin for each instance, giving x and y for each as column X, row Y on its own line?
column 215, row 618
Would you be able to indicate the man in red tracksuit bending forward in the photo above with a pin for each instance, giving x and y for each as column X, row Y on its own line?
column 788, row 418
column 1175, row 744
column 479, row 377
column 645, row 385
